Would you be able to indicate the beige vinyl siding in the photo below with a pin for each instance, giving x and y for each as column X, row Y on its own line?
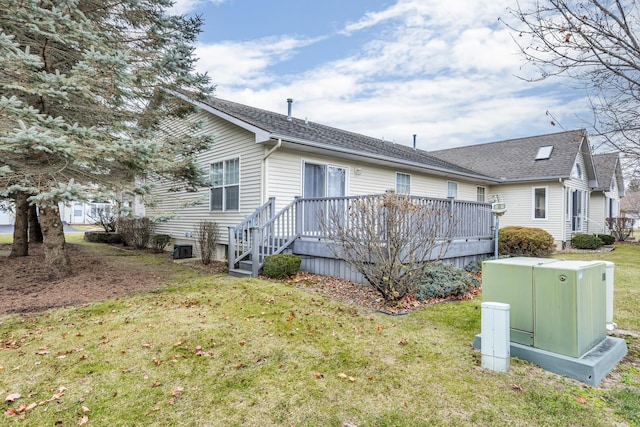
column 284, row 168
column 519, row 200
column 582, row 185
column 188, row 209
column 597, row 213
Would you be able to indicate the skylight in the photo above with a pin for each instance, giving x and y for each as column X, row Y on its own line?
column 544, row 152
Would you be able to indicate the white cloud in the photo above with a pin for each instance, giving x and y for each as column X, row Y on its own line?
column 442, row 70
column 182, row 7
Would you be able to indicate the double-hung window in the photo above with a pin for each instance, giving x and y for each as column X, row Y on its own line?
column 403, row 183
column 540, row 202
column 481, row 195
column 225, row 185
column 452, row 189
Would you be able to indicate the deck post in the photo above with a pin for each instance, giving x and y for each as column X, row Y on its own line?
column 255, row 251
column 298, row 224
column 232, row 248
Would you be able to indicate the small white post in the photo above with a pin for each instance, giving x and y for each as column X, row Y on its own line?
column 495, row 343
column 609, row 266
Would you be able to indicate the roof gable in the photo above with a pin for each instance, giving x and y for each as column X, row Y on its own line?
column 608, row 168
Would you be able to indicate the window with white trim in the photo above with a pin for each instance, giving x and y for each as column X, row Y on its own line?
column 481, row 194
column 540, row 202
column 403, row 183
column 452, row 189
column 225, row 185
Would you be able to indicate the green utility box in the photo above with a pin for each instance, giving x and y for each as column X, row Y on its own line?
column 558, row 306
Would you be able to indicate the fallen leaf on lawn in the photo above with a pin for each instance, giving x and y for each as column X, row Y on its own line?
column 83, row 420
column 352, row 379
column 177, row 392
column 243, row 342
column 11, row 411
column 12, row 397
column 156, row 384
column 292, row 316
column 403, row 341
column 319, row 375
column 30, row 406
column 198, row 348
column 172, row 401
column 342, row 376
column 581, row 399
column 406, row 405
column 147, row 345
column 83, row 357
column 379, row 328
column 85, row 409
column 178, row 343
column 62, row 356
column 42, row 352
column 516, row 387
column 240, row 366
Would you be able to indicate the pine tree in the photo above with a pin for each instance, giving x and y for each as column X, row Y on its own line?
column 81, row 97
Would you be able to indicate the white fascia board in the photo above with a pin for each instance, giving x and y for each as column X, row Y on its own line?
column 261, row 135
column 438, row 171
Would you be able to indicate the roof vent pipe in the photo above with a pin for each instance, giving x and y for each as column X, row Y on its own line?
column 289, row 102
column 414, row 141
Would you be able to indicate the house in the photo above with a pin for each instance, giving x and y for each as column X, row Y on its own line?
column 630, row 206
column 262, row 159
column 607, row 196
column 553, row 182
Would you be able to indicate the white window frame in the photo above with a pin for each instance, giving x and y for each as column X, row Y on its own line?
column 452, row 185
column 484, row 193
column 408, row 189
column 546, row 203
column 224, row 185
column 326, row 166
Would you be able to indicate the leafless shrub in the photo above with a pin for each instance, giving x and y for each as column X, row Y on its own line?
column 207, row 235
column 389, row 239
column 135, row 232
column 621, row 227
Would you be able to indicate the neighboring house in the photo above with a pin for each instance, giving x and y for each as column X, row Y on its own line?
column 550, row 181
column 606, row 197
column 630, row 206
column 83, row 212
column 6, row 213
column 258, row 155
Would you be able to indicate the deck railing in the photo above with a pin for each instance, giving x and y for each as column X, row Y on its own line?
column 265, row 233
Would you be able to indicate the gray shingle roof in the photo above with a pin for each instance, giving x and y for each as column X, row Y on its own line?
column 333, row 138
column 606, row 168
column 514, row 159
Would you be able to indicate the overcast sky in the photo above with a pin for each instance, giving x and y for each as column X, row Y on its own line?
column 444, row 70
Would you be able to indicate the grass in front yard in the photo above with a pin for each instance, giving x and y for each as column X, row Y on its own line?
column 222, row 351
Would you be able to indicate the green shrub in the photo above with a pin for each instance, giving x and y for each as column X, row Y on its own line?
column 525, row 241
column 102, row 237
column 607, row 239
column 442, row 280
column 159, row 242
column 474, row 267
column 586, row 241
column 281, row 266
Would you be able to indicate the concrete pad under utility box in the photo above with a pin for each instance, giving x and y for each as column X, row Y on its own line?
column 590, row 369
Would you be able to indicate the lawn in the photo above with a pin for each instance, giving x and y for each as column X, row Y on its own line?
column 214, row 350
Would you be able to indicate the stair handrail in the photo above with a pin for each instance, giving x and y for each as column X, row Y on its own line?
column 275, row 235
column 239, row 235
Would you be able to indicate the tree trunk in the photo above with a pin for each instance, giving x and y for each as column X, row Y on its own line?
column 56, row 257
column 35, row 232
column 20, row 245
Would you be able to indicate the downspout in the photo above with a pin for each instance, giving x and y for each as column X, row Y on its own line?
column 265, row 171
